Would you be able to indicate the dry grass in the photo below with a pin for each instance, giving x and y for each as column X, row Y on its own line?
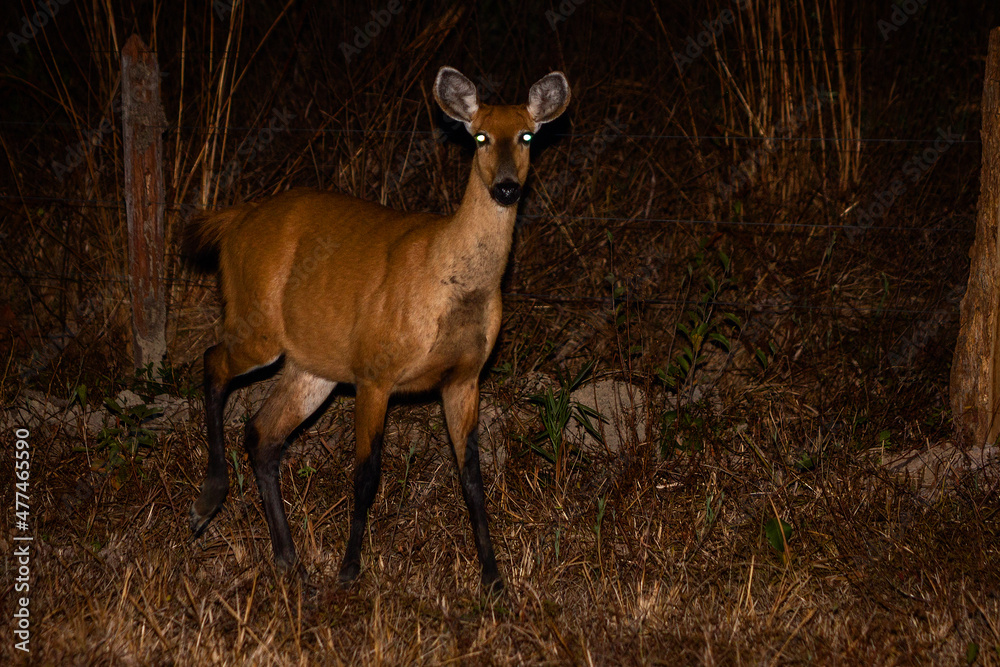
column 872, row 570
column 856, row 328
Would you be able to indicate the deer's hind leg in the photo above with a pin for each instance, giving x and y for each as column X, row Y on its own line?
column 296, row 395
column 222, row 366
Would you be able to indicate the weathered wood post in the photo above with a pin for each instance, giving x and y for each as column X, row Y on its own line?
column 975, row 370
column 143, row 122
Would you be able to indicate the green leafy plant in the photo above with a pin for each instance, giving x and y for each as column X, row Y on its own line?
column 152, row 380
column 147, row 382
column 779, row 534
column 805, row 462
column 503, row 371
column 128, row 441
column 705, row 323
column 555, row 410
column 601, row 506
column 621, row 311
column 78, row 395
column 764, row 357
column 971, row 652
column 884, row 439
column 682, row 431
column 409, row 462
column 237, row 467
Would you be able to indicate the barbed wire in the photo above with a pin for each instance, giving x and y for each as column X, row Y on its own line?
column 582, row 134
column 607, row 301
column 751, row 223
column 777, row 226
column 735, row 305
column 776, row 49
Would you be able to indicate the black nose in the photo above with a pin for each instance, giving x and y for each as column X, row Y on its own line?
column 506, row 193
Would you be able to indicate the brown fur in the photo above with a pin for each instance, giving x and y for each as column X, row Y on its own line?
column 350, row 291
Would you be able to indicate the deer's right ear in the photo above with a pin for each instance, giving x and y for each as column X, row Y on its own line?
column 456, row 95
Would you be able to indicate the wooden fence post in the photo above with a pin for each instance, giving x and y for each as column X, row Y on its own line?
column 975, row 370
column 143, row 121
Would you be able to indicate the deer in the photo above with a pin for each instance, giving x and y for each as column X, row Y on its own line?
column 342, row 290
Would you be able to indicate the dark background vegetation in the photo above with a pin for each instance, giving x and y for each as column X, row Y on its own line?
column 702, row 233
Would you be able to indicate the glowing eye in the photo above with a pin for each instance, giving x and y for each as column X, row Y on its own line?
column 482, row 139
column 527, row 137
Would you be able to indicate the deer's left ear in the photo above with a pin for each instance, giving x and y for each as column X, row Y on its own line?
column 548, row 98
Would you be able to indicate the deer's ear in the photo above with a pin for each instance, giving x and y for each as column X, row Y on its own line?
column 456, row 95
column 548, row 98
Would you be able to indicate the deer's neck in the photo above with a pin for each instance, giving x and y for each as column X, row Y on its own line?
column 478, row 239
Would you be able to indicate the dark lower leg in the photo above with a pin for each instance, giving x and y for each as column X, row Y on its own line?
column 216, row 485
column 265, row 458
column 475, row 500
column 366, row 479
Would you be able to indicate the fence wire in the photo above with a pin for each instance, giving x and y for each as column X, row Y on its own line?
column 563, row 217
column 783, row 227
column 550, row 298
column 87, row 126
